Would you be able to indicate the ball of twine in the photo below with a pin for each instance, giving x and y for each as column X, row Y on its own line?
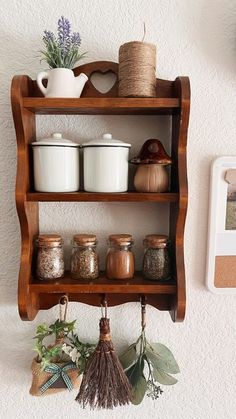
column 137, row 69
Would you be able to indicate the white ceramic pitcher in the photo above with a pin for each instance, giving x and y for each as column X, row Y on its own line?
column 61, row 83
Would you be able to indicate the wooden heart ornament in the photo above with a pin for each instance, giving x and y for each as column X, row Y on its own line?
column 103, row 81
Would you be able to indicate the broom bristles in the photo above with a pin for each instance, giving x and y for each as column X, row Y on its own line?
column 105, row 384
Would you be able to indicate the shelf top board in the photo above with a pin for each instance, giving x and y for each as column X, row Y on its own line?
column 102, row 106
column 101, row 197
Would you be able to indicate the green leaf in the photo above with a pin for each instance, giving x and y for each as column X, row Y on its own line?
column 129, row 357
column 42, row 329
column 159, row 363
column 163, row 378
column 54, row 351
column 135, row 372
column 60, row 327
column 162, row 358
column 139, row 390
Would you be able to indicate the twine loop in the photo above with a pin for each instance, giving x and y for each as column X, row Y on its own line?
column 143, row 313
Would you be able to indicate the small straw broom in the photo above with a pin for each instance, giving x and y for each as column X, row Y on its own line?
column 105, row 384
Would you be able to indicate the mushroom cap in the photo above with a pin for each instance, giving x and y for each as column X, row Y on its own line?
column 152, row 152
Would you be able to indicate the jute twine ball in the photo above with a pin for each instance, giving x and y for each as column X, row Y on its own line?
column 137, row 69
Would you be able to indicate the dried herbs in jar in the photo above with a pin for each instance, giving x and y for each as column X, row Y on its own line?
column 50, row 261
column 156, row 261
column 84, row 258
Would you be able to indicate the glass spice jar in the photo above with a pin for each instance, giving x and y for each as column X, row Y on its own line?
column 120, row 258
column 156, row 261
column 50, row 261
column 84, row 259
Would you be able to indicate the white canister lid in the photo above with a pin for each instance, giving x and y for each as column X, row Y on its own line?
column 106, row 141
column 56, row 140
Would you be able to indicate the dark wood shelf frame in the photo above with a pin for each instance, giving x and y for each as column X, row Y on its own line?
column 173, row 98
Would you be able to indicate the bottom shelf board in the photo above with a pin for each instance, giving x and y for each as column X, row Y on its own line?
column 82, row 196
column 137, row 285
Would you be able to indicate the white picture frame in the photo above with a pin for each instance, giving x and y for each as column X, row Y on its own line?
column 221, row 243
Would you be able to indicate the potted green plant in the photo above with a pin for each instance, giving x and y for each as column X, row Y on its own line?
column 61, row 53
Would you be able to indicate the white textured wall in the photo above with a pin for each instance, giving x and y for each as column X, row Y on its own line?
column 195, row 38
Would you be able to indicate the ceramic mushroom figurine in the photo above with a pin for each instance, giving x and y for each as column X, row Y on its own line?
column 151, row 174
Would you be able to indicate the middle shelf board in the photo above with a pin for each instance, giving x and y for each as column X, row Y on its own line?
column 101, row 285
column 101, row 106
column 101, row 197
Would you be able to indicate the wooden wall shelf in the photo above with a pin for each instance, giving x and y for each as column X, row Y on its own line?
column 173, row 98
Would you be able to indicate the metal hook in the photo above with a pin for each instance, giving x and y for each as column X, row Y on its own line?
column 143, row 300
column 104, row 306
column 63, row 301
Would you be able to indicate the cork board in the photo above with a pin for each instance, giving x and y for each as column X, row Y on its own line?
column 225, row 271
column 221, row 252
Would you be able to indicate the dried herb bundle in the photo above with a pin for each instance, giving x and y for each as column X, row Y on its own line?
column 105, row 384
column 147, row 365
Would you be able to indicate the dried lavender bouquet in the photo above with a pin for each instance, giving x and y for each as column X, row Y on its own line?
column 147, row 365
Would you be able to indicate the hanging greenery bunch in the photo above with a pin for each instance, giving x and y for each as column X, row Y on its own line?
column 67, row 347
column 45, row 353
column 58, row 365
column 63, row 50
column 147, row 365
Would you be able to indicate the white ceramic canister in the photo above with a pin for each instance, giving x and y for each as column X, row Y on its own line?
column 106, row 165
column 56, row 164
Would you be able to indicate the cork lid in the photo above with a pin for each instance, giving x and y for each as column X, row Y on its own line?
column 155, row 240
column 49, row 240
column 122, row 239
column 85, row 239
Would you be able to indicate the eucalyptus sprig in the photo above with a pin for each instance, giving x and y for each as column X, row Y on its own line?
column 147, row 365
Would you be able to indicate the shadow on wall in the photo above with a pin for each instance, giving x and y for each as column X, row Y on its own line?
column 17, row 356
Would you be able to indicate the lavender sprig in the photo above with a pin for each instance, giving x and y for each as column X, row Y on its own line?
column 62, row 51
column 64, row 35
column 75, row 39
column 48, row 37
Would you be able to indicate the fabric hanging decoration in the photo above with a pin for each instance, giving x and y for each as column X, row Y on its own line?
column 59, row 374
